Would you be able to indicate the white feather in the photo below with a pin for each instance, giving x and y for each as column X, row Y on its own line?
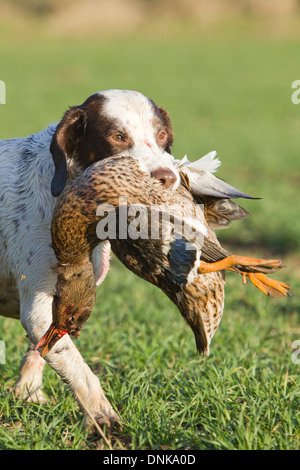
column 207, row 163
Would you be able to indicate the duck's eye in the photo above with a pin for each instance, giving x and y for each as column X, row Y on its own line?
column 118, row 138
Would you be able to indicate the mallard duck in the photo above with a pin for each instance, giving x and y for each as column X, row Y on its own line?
column 188, row 265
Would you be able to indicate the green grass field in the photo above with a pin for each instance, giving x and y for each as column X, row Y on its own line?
column 230, row 93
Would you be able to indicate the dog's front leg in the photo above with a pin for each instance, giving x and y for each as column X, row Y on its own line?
column 66, row 360
column 29, row 384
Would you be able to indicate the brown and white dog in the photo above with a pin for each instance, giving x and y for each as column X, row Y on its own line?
column 34, row 170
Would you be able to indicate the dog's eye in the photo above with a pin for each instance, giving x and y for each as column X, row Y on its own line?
column 118, row 138
column 162, row 136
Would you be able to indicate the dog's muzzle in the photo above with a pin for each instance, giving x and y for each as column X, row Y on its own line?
column 165, row 176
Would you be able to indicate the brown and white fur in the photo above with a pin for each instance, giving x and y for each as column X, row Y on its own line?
column 35, row 169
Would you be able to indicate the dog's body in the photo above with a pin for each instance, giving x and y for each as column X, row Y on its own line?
column 34, row 170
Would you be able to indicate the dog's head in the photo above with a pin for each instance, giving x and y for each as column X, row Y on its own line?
column 114, row 123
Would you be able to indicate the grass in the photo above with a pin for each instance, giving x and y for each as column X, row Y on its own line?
column 244, row 396
column 224, row 93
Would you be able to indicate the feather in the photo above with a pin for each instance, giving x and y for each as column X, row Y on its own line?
column 203, row 182
column 185, row 260
column 206, row 163
column 219, row 213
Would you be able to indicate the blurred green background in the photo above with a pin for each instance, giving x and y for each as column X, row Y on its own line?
column 224, row 70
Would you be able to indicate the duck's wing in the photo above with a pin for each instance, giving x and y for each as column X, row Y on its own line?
column 220, row 212
column 216, row 195
column 196, row 236
column 202, row 182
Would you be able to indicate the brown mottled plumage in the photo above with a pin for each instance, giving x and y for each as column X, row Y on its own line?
column 192, row 278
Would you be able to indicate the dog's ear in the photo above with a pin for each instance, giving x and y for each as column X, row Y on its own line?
column 167, row 122
column 69, row 132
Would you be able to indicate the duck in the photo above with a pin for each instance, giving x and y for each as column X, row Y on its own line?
column 171, row 243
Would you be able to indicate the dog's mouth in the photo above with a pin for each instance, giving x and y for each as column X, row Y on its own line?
column 166, row 174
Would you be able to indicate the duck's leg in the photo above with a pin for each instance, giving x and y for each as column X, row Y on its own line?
column 244, row 266
column 241, row 264
column 268, row 286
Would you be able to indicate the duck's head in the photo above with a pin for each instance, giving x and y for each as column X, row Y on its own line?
column 73, row 301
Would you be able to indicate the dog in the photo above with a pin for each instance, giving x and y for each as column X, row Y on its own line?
column 34, row 171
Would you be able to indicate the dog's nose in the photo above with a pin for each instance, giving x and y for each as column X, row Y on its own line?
column 165, row 176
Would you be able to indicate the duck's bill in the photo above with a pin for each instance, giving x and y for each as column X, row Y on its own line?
column 51, row 337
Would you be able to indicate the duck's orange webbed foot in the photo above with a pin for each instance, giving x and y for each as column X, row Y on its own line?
column 253, row 269
column 241, row 264
column 268, row 286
